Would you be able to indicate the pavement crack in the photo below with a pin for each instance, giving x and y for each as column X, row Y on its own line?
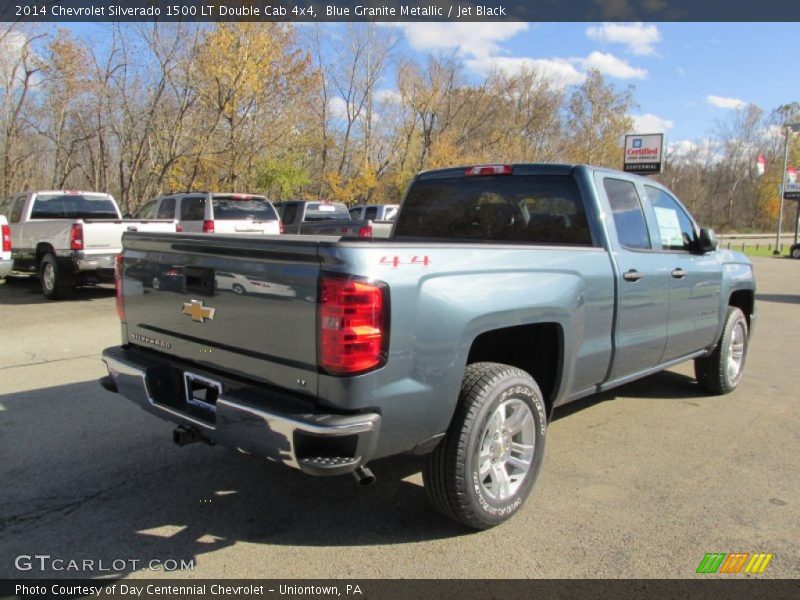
column 63, row 508
column 47, row 362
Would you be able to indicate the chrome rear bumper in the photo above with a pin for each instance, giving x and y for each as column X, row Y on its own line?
column 316, row 443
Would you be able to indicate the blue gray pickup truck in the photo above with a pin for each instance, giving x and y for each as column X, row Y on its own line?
column 504, row 292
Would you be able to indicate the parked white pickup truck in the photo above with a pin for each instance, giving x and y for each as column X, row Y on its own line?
column 69, row 238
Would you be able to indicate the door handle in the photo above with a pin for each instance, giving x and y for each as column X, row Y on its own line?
column 679, row 273
column 632, row 275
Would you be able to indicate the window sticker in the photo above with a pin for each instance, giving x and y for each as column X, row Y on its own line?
column 669, row 227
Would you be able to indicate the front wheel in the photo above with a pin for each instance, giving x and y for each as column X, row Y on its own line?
column 721, row 371
column 483, row 470
column 796, row 251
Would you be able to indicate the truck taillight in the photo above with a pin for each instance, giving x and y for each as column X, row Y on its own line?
column 488, row 170
column 178, row 227
column 365, row 231
column 119, row 271
column 281, row 228
column 208, row 226
column 353, row 324
column 76, row 237
column 6, row 238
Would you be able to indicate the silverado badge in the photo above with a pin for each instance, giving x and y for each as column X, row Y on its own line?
column 197, row 311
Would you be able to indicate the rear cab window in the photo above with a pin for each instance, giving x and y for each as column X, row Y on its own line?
column 326, row 211
column 74, row 206
column 527, row 209
column 237, row 207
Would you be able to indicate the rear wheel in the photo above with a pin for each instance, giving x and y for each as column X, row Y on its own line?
column 721, row 371
column 56, row 284
column 796, row 251
column 238, row 289
column 483, row 470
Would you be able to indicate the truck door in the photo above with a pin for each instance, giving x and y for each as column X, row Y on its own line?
column 642, row 288
column 695, row 279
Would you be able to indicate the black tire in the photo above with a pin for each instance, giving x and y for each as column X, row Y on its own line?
column 451, row 472
column 54, row 281
column 712, row 371
column 795, row 251
column 238, row 289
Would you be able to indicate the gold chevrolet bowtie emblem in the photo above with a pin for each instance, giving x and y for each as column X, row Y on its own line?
column 197, row 311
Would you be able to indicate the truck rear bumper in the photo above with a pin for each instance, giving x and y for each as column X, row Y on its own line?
column 243, row 419
column 83, row 261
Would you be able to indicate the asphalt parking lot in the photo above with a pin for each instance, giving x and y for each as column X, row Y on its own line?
column 639, row 482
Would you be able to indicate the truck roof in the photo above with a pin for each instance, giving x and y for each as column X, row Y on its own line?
column 529, row 169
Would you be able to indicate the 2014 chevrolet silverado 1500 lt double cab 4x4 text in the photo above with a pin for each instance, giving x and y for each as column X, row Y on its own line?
column 503, row 292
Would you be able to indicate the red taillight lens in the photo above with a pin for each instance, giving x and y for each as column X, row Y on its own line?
column 119, row 271
column 208, row 226
column 365, row 231
column 76, row 237
column 488, row 170
column 353, row 325
column 281, row 228
column 6, row 238
column 178, row 227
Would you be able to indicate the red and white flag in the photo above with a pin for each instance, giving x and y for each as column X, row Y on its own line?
column 791, row 175
column 761, row 165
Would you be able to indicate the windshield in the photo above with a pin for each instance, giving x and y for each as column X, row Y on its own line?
column 74, row 206
column 533, row 209
column 243, row 208
column 326, row 211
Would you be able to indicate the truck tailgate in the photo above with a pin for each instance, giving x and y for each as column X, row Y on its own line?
column 245, row 304
column 106, row 234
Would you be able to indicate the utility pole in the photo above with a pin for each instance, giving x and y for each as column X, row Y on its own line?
column 786, row 133
column 788, row 129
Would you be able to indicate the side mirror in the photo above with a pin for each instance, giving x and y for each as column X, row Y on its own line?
column 707, row 241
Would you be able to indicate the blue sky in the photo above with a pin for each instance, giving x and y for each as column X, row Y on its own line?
column 686, row 75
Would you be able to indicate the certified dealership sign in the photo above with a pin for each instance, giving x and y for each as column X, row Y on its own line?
column 791, row 191
column 643, row 153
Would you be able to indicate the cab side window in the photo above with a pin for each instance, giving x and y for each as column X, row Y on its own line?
column 193, row 209
column 675, row 228
column 628, row 214
column 167, row 208
column 148, row 211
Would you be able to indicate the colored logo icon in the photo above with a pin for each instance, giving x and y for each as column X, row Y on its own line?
column 742, row 562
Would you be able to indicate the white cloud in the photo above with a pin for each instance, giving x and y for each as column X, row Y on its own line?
column 560, row 72
column 680, row 71
column 388, row 96
column 723, row 102
column 478, row 40
column 337, row 108
column 12, row 45
column 700, row 151
column 479, row 44
column 638, row 37
column 608, row 64
column 649, row 123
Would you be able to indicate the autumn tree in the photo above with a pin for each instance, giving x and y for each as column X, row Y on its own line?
column 598, row 117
